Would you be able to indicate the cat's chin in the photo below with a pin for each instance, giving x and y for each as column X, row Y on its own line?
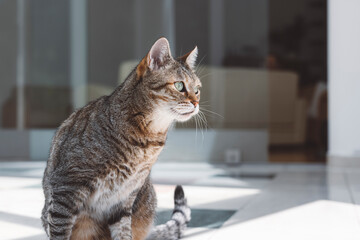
column 183, row 117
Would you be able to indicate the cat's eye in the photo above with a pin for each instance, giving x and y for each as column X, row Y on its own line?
column 196, row 89
column 179, row 86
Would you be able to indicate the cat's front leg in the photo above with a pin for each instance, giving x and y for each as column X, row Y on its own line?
column 120, row 225
column 60, row 220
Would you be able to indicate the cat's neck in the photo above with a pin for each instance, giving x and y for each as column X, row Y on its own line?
column 147, row 119
column 159, row 121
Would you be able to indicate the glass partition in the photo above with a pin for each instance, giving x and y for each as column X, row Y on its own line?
column 258, row 64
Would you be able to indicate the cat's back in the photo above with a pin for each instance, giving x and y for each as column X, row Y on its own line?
column 79, row 131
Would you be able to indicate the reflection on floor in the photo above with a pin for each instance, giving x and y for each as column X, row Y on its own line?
column 274, row 201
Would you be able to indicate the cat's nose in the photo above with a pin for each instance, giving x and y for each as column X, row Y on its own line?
column 195, row 103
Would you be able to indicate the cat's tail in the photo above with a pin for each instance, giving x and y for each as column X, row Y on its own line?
column 175, row 227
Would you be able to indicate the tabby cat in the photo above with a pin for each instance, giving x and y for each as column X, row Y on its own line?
column 96, row 182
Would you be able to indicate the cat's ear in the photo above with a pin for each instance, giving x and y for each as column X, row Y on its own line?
column 156, row 58
column 190, row 58
column 158, row 54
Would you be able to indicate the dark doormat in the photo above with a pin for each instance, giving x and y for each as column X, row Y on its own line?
column 248, row 175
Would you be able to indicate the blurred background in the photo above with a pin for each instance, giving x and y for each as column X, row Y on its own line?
column 263, row 65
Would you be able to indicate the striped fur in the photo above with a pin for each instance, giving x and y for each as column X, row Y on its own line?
column 96, row 182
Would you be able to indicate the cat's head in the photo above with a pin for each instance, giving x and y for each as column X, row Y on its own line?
column 171, row 83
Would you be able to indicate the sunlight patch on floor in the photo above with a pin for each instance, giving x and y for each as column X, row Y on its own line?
column 24, row 202
column 17, row 231
column 317, row 220
column 7, row 183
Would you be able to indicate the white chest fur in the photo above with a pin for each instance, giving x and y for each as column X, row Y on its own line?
column 113, row 190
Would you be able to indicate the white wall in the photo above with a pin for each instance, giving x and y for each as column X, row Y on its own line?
column 344, row 78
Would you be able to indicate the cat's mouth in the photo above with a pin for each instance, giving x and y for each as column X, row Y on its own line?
column 188, row 113
column 184, row 112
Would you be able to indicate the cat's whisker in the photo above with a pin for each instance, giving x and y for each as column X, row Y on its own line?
column 209, row 115
column 203, row 118
column 195, row 129
column 208, row 111
column 202, row 128
column 199, row 66
column 207, row 74
column 202, row 123
column 197, row 122
column 200, row 70
column 204, row 103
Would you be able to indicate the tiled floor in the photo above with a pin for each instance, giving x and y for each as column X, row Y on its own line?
column 248, row 202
